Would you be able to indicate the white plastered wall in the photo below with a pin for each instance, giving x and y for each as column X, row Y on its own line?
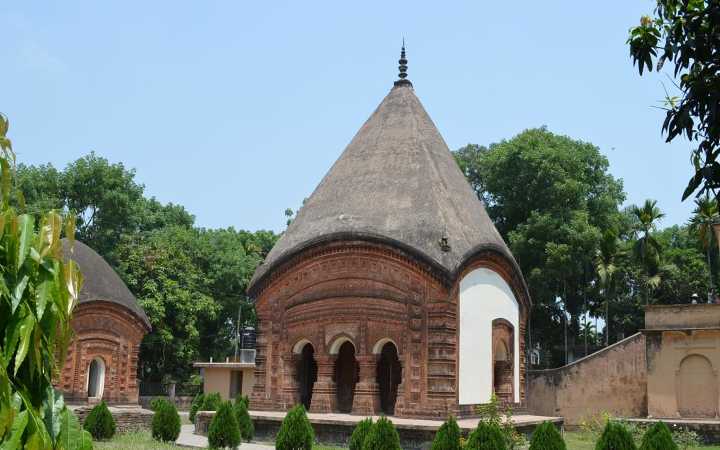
column 484, row 297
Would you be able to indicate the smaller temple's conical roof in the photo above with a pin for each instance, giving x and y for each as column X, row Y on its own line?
column 100, row 281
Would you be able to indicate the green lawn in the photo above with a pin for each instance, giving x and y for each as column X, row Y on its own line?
column 578, row 441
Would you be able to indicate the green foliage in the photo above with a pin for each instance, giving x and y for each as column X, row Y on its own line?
column 165, row 422
column 195, row 406
column 382, row 436
column 360, row 433
column 615, row 436
column 658, row 437
column 100, row 423
column 211, row 402
column 447, row 436
column 686, row 438
column 487, row 436
column 295, row 432
column 686, row 33
column 224, row 430
column 492, row 413
column 38, row 292
column 547, row 437
column 247, row 429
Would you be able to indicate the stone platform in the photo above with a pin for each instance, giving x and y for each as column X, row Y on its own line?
column 335, row 429
column 127, row 417
column 707, row 429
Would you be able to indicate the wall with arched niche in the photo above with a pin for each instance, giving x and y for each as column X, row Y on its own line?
column 484, row 297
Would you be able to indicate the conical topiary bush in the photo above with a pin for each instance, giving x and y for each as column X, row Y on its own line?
column 615, row 436
column 547, row 437
column 224, row 430
column 382, row 436
column 100, row 423
column 447, row 436
column 295, row 432
column 658, row 437
column 211, row 402
column 487, row 436
column 165, row 422
column 247, row 429
column 360, row 433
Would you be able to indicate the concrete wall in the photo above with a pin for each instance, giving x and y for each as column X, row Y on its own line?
column 613, row 379
column 217, row 379
column 665, row 317
column 484, row 297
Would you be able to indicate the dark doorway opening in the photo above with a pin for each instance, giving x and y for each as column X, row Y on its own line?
column 346, row 375
column 389, row 374
column 307, row 374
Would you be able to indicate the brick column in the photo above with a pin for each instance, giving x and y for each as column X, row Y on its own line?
column 323, row 397
column 291, row 389
column 366, row 401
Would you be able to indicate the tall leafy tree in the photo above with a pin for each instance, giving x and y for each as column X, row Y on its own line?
column 550, row 197
column 607, row 272
column 686, row 34
column 701, row 223
column 646, row 248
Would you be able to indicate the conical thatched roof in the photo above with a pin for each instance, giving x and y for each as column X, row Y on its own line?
column 395, row 182
column 100, row 281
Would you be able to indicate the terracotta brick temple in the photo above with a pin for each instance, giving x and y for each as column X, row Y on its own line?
column 108, row 324
column 391, row 291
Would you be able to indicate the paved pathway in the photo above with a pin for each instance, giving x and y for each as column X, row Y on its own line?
column 188, row 438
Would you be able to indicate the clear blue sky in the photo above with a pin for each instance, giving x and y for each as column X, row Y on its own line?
column 237, row 109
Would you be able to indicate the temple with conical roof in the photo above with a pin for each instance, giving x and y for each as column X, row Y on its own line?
column 391, row 291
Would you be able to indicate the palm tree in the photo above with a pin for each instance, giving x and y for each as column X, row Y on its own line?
column 646, row 248
column 704, row 216
column 606, row 270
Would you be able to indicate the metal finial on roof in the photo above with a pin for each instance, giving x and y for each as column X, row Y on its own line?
column 403, row 81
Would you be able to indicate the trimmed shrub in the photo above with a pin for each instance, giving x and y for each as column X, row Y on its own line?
column 658, row 437
column 247, row 429
column 615, row 436
column 547, row 437
column 245, row 399
column 211, row 402
column 382, row 436
column 165, row 421
column 448, row 436
column 361, row 431
column 224, row 430
column 100, row 423
column 195, row 406
column 295, row 432
column 487, row 436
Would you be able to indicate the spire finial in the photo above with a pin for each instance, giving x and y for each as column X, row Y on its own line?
column 403, row 81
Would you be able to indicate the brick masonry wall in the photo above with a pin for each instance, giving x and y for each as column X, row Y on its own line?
column 613, row 379
column 131, row 419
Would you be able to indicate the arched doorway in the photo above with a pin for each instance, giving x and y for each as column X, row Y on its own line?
column 306, row 374
column 503, row 373
column 346, row 375
column 389, row 374
column 96, row 378
column 696, row 388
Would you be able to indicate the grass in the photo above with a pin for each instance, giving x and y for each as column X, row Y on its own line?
column 580, row 441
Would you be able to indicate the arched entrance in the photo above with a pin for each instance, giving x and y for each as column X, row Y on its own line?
column 346, row 375
column 306, row 374
column 96, row 378
column 503, row 373
column 696, row 388
column 389, row 374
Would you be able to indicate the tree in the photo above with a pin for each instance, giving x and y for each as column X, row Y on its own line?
column 646, row 248
column 687, row 34
column 701, row 223
column 447, row 436
column 551, row 197
column 38, row 293
column 295, row 432
column 607, row 271
column 224, row 431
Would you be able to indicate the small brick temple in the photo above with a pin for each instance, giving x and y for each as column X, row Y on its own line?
column 391, row 291
column 108, row 327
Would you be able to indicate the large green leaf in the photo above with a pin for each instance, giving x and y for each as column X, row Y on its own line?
column 19, row 291
column 27, row 234
column 72, row 436
column 26, row 331
column 52, row 412
column 16, row 432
